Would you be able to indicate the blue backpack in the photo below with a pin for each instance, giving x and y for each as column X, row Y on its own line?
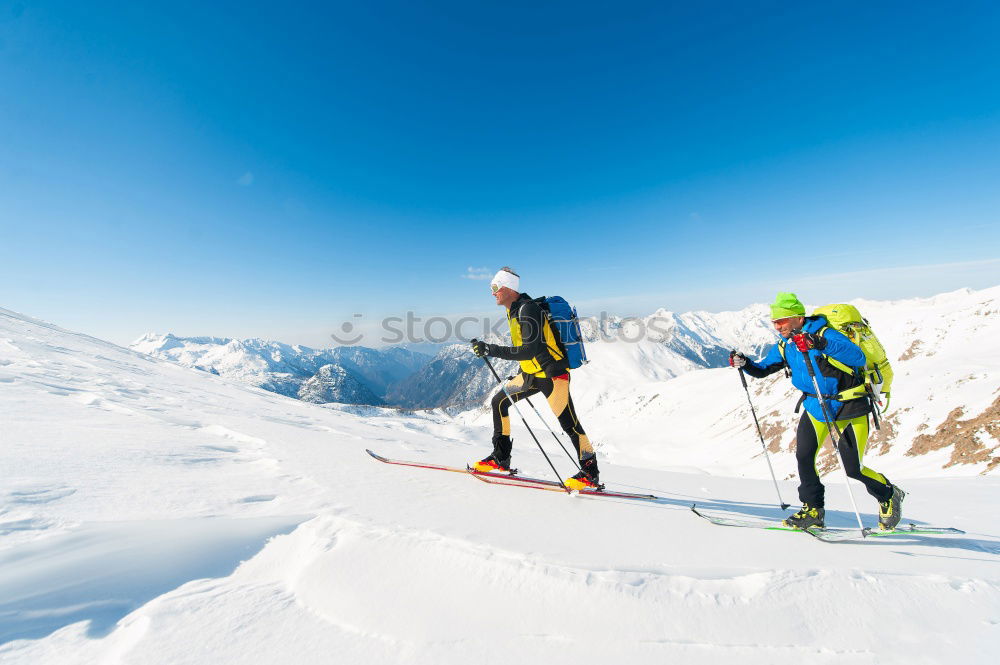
column 566, row 324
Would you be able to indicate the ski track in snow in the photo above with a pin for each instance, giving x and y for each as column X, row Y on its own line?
column 155, row 514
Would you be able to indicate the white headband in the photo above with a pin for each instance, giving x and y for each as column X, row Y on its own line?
column 508, row 279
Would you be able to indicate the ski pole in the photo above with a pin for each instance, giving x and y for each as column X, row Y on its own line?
column 743, row 379
column 876, row 406
column 831, row 425
column 521, row 416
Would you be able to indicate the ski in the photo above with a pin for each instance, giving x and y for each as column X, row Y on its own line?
column 441, row 467
column 512, row 479
column 554, row 486
column 836, row 535
column 829, row 535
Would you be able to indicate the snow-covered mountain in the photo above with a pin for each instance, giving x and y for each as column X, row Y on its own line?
column 641, row 380
column 151, row 514
column 454, row 378
column 356, row 374
column 659, row 346
column 333, row 383
column 393, row 376
column 621, row 352
column 669, row 344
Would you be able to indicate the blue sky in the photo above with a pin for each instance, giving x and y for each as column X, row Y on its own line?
column 254, row 169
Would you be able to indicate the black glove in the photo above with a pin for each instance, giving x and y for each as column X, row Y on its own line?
column 482, row 349
column 737, row 359
column 805, row 341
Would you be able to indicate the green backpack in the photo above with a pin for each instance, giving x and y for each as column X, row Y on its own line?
column 847, row 319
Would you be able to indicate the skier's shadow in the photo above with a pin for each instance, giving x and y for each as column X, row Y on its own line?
column 841, row 519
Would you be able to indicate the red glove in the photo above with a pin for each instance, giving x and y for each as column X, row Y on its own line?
column 806, row 341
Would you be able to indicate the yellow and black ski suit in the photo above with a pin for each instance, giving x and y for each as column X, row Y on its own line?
column 849, row 412
column 543, row 370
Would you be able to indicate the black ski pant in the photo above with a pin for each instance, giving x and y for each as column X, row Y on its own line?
column 556, row 392
column 809, row 437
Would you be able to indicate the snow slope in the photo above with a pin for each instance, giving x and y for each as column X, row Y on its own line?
column 151, row 513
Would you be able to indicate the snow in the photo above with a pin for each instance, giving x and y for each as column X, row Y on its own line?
column 152, row 513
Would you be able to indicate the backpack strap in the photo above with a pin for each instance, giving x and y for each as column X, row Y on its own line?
column 547, row 323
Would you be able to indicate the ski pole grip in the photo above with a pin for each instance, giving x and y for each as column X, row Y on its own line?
column 806, row 358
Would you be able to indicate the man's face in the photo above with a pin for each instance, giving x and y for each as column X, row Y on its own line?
column 504, row 296
column 786, row 325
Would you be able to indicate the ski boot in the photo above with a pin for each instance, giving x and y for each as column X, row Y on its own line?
column 499, row 460
column 891, row 511
column 588, row 478
column 492, row 465
column 808, row 517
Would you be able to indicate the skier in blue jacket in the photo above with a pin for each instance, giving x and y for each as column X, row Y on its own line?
column 836, row 364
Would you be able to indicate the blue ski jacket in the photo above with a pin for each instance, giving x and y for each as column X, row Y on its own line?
column 831, row 379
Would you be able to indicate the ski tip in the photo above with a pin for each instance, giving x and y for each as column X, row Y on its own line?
column 478, row 475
